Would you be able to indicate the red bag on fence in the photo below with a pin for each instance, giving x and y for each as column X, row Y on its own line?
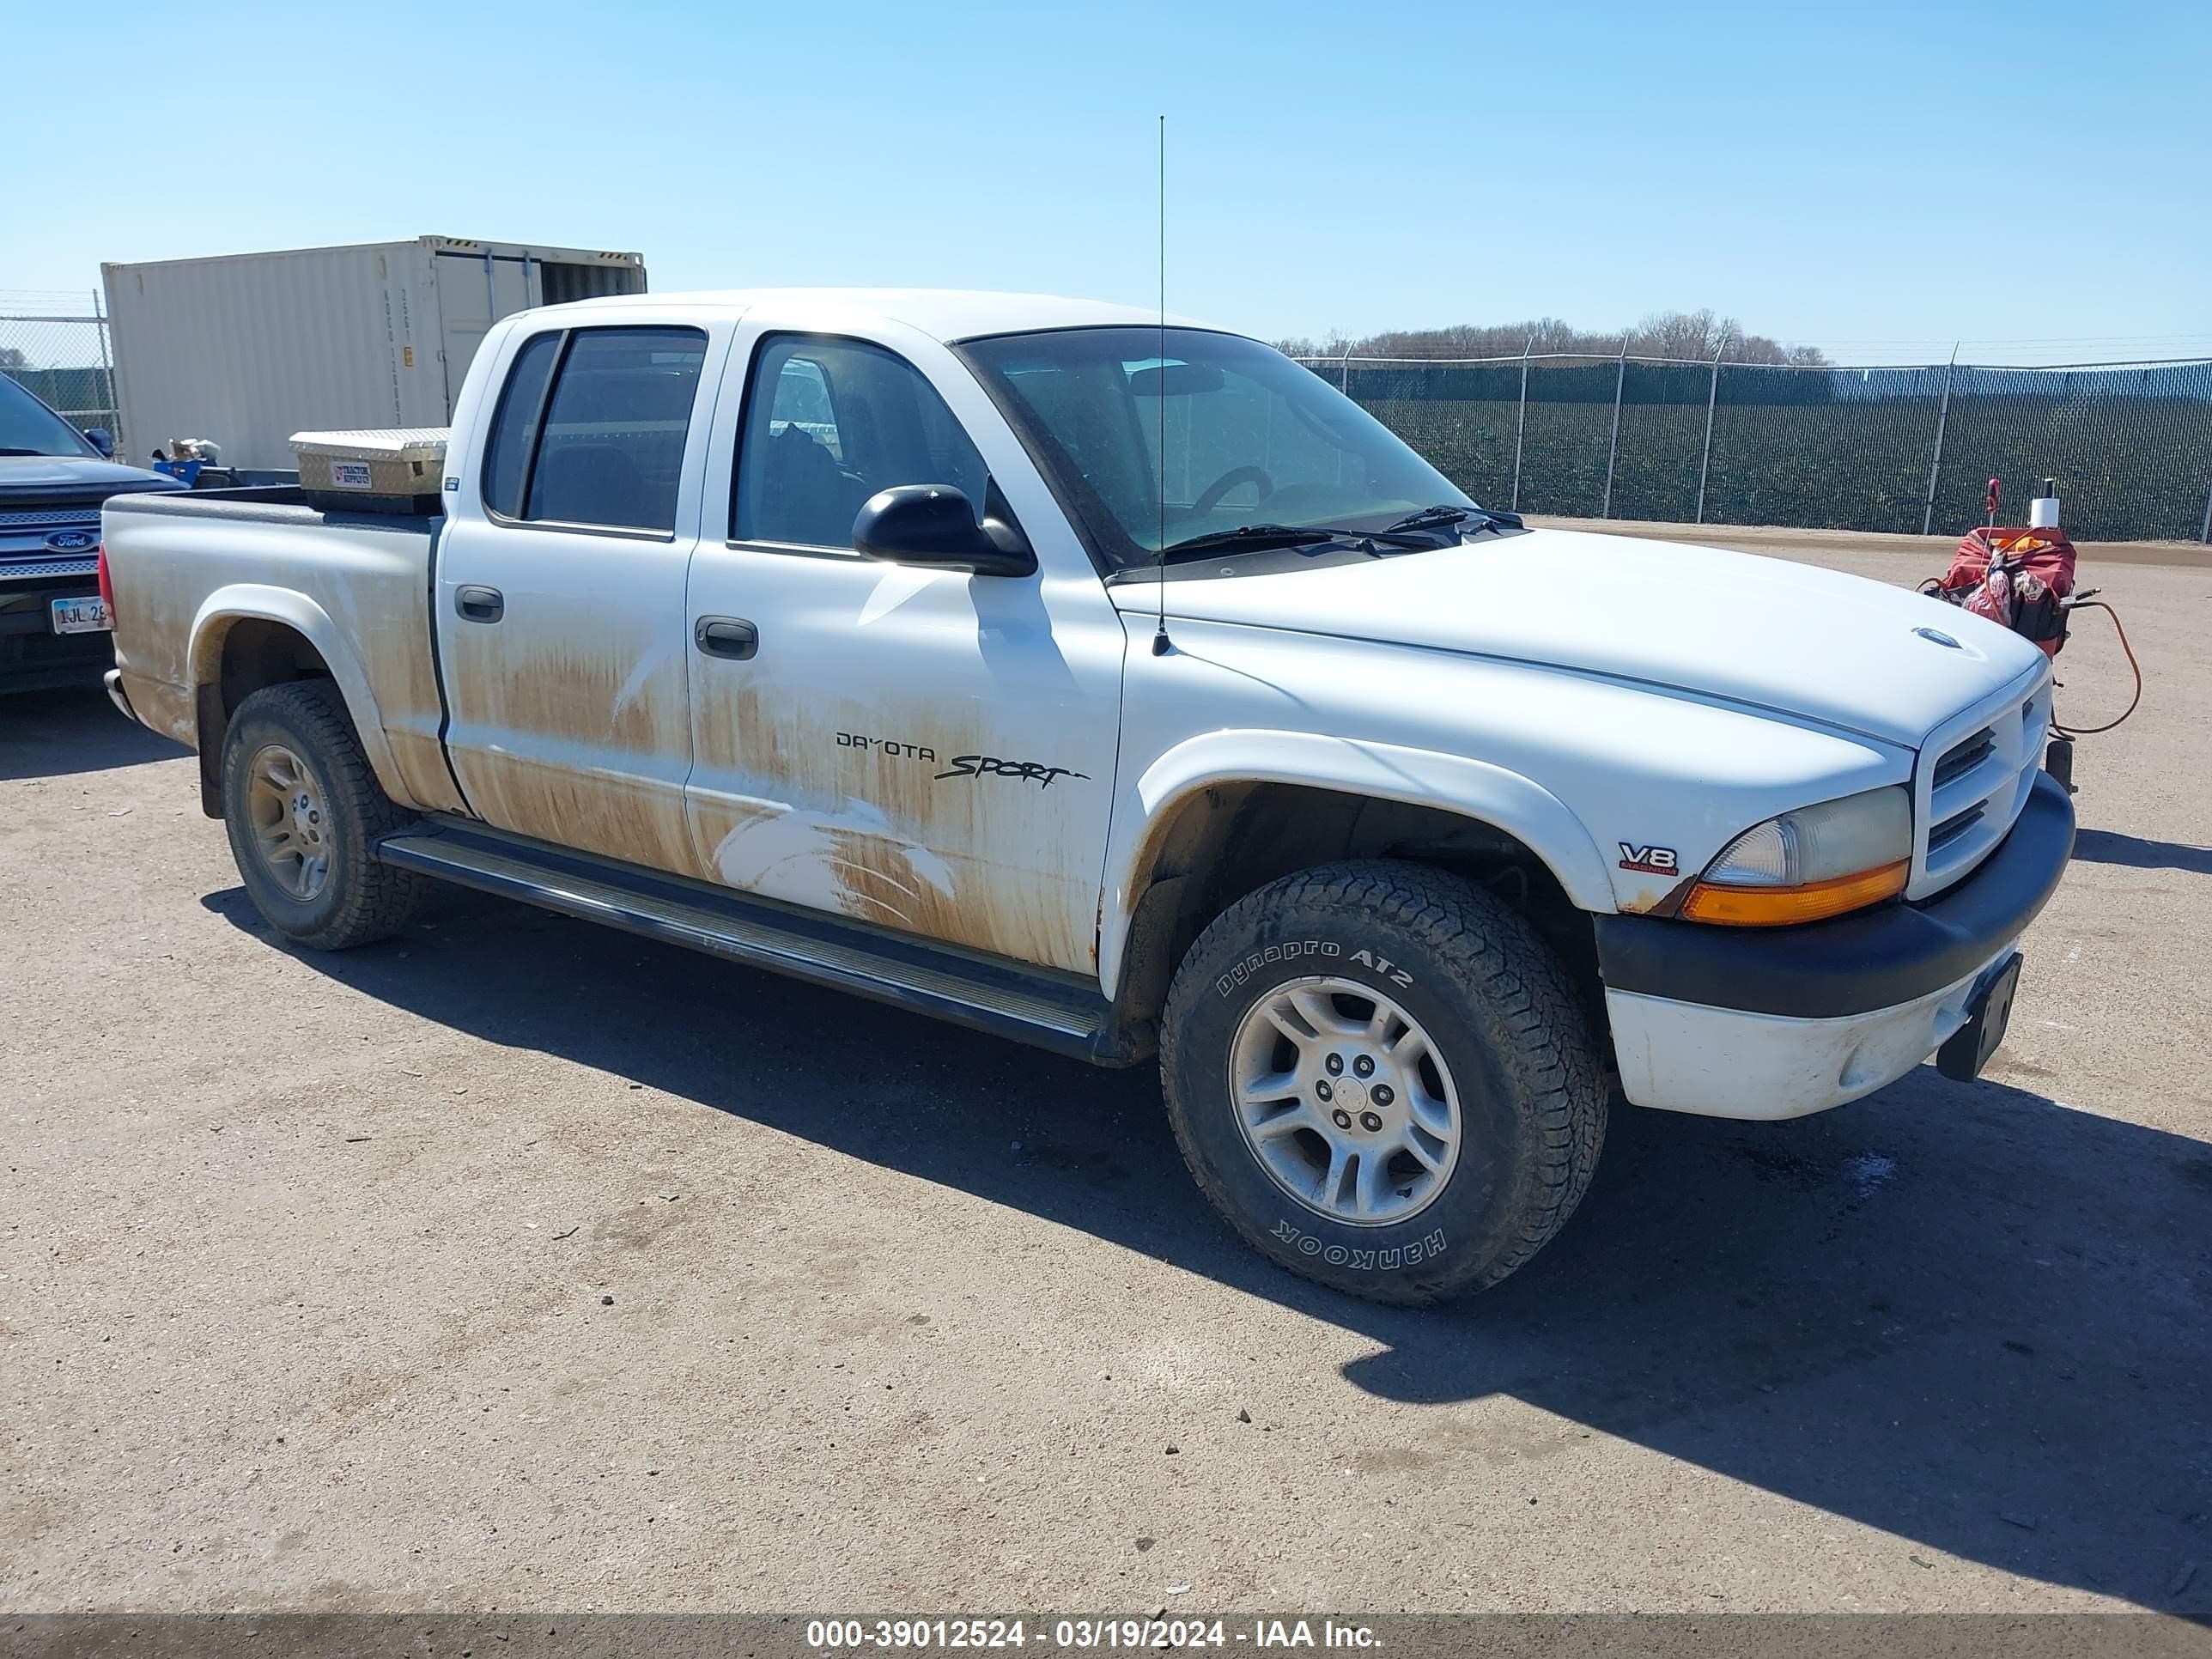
column 2015, row 576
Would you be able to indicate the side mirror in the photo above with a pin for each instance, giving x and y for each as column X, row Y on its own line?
column 98, row 437
column 935, row 524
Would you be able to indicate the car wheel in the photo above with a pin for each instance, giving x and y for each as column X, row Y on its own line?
column 304, row 812
column 1383, row 1079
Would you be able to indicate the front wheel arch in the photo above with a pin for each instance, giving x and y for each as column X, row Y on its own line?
column 1213, row 845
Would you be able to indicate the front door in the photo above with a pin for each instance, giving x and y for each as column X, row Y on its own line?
column 560, row 602
column 928, row 750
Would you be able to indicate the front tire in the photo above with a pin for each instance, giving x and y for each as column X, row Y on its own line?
column 303, row 811
column 1383, row 1080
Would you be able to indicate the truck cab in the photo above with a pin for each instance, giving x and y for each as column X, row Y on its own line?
column 53, row 478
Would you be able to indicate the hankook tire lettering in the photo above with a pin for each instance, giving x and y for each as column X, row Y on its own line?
column 1425, row 1249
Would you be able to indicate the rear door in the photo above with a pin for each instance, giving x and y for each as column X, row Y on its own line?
column 927, row 750
column 560, row 588
column 475, row 290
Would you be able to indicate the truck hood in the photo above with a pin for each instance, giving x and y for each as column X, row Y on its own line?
column 67, row 475
column 1769, row 633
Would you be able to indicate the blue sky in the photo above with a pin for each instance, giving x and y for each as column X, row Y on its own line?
column 2034, row 178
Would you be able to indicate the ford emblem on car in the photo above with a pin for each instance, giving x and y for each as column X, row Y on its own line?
column 69, row 541
column 1937, row 636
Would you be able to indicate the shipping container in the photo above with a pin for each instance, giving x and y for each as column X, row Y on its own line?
column 248, row 348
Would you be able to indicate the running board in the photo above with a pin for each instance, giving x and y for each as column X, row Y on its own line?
column 1040, row 1008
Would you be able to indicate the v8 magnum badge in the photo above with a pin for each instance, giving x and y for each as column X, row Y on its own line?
column 1653, row 861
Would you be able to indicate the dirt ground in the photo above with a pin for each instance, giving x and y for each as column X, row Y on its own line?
column 520, row 1264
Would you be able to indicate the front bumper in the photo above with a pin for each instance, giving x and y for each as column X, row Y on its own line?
column 32, row 657
column 1750, row 1023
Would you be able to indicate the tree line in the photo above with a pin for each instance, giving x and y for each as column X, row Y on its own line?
column 1686, row 336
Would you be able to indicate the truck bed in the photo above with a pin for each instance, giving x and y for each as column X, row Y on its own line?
column 189, row 569
column 284, row 502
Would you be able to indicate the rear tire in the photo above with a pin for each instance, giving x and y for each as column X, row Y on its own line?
column 303, row 810
column 1383, row 1079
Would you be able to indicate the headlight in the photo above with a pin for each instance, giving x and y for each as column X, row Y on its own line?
column 1820, row 861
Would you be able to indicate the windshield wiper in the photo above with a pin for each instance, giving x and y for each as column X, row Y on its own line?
column 1437, row 517
column 1251, row 537
column 25, row 451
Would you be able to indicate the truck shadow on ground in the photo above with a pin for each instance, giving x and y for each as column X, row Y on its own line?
column 2111, row 847
column 53, row 734
column 1967, row 1316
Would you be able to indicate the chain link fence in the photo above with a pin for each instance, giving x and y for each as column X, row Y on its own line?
column 57, row 347
column 1902, row 450
column 1906, row 451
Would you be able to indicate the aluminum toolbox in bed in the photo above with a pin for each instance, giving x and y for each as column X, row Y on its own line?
column 394, row 470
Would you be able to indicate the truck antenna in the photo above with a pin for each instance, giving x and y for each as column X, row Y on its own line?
column 1161, row 644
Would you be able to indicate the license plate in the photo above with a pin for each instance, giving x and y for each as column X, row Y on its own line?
column 85, row 616
column 1988, row 1012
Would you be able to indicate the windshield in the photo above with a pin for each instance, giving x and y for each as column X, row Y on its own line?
column 28, row 426
column 1250, row 437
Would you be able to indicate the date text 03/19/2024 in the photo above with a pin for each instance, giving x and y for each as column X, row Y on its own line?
column 1083, row 1635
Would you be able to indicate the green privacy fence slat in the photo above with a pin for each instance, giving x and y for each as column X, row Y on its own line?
column 2132, row 445
column 1662, row 432
column 1825, row 448
column 1459, row 415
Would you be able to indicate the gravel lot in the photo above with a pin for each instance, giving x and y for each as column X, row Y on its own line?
column 520, row 1264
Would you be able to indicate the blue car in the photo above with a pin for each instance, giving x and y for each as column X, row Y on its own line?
column 54, row 627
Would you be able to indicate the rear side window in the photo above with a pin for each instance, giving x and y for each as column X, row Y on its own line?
column 515, row 427
column 830, row 423
column 604, row 445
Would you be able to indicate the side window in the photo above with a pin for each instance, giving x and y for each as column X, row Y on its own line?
column 802, row 399
column 829, row 423
column 515, row 428
column 608, row 447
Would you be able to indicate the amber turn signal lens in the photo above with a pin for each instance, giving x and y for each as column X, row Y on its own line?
column 1777, row 907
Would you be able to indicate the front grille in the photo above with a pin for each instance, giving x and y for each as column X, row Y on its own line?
column 1962, row 758
column 1974, row 777
column 1952, row 828
column 79, row 512
column 23, row 534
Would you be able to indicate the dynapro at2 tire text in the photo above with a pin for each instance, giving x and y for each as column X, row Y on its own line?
column 1394, row 948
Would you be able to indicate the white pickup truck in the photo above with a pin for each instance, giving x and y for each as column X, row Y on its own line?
column 1119, row 687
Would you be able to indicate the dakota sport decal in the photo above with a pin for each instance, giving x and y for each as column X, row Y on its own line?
column 990, row 766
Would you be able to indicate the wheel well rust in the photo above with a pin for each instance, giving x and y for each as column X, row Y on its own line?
column 1224, row 842
column 251, row 652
